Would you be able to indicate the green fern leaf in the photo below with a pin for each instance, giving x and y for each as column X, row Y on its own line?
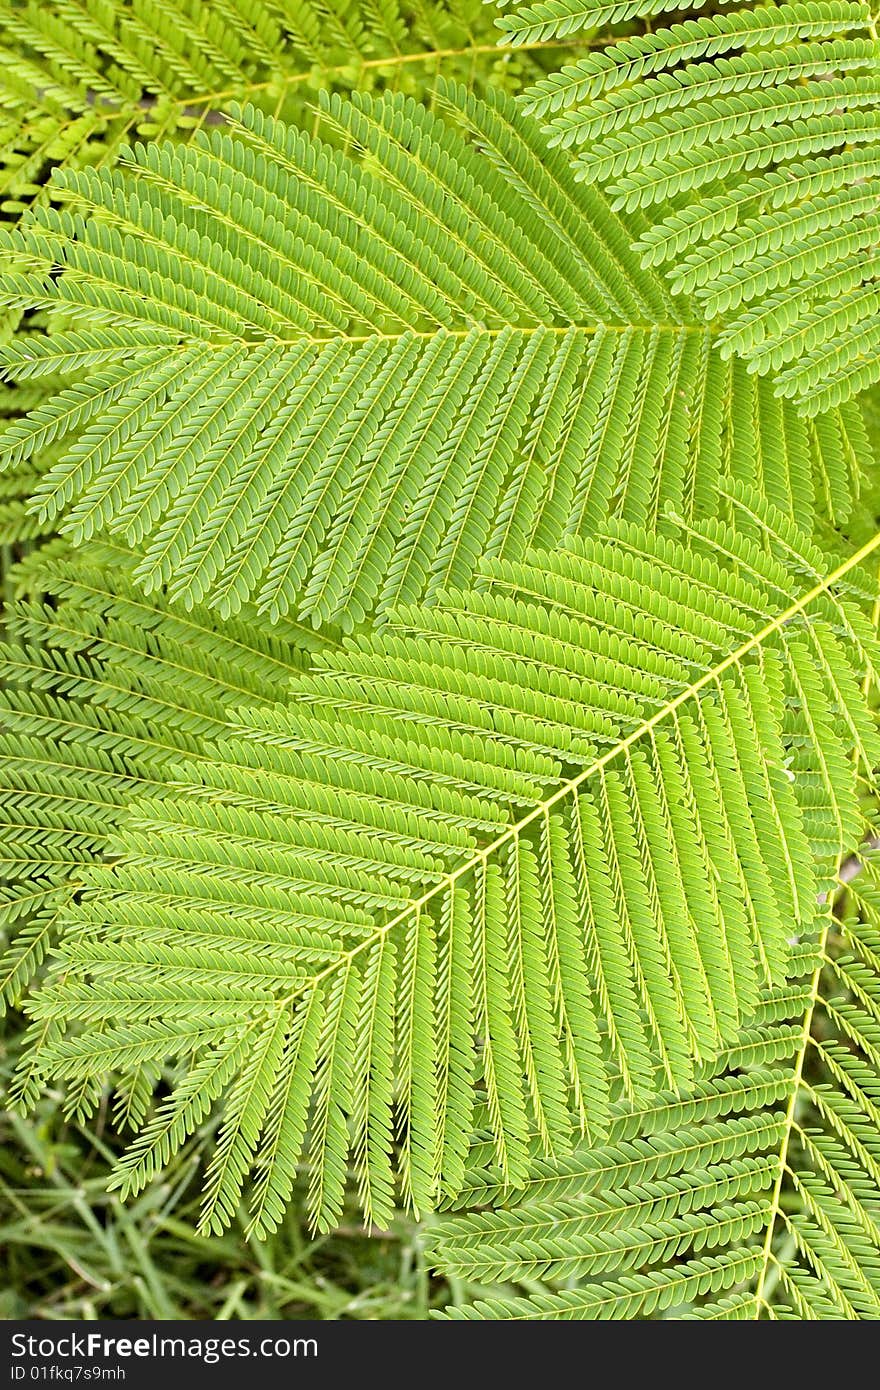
column 750, row 141
column 446, row 823
column 791, row 1176
column 80, row 79
column 104, row 689
column 328, row 384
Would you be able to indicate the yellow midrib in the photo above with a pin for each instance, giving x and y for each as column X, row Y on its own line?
column 392, row 60
column 806, row 1032
column 569, row 787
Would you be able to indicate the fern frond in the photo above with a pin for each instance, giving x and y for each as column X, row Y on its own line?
column 524, row 23
column 81, row 79
column 750, row 139
column 104, row 688
column 18, row 482
column 484, row 831
column 830, row 1151
column 330, row 385
column 793, row 1178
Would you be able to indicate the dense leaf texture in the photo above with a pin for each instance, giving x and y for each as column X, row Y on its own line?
column 472, row 852
column 18, row 521
column 508, row 905
column 753, row 1195
column 669, row 1214
column 328, row 386
column 79, row 78
column 751, row 141
column 104, row 689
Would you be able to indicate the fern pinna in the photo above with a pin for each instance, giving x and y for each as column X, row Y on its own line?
column 750, row 141
column 79, row 78
column 481, row 877
column 329, row 387
column 752, row 1194
column 105, row 688
column 430, row 753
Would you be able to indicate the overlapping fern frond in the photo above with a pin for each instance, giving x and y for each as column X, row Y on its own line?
column 753, row 1195
column 750, row 141
column 104, row 689
column 18, row 521
column 523, row 899
column 80, row 78
column 467, row 859
column 330, row 385
column 667, row 1217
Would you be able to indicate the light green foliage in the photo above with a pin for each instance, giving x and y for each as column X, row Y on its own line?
column 439, row 751
column 18, row 521
column 466, row 860
column 685, row 1214
column 750, row 140
column 329, row 386
column 71, row 1249
column 104, row 689
column 81, row 77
